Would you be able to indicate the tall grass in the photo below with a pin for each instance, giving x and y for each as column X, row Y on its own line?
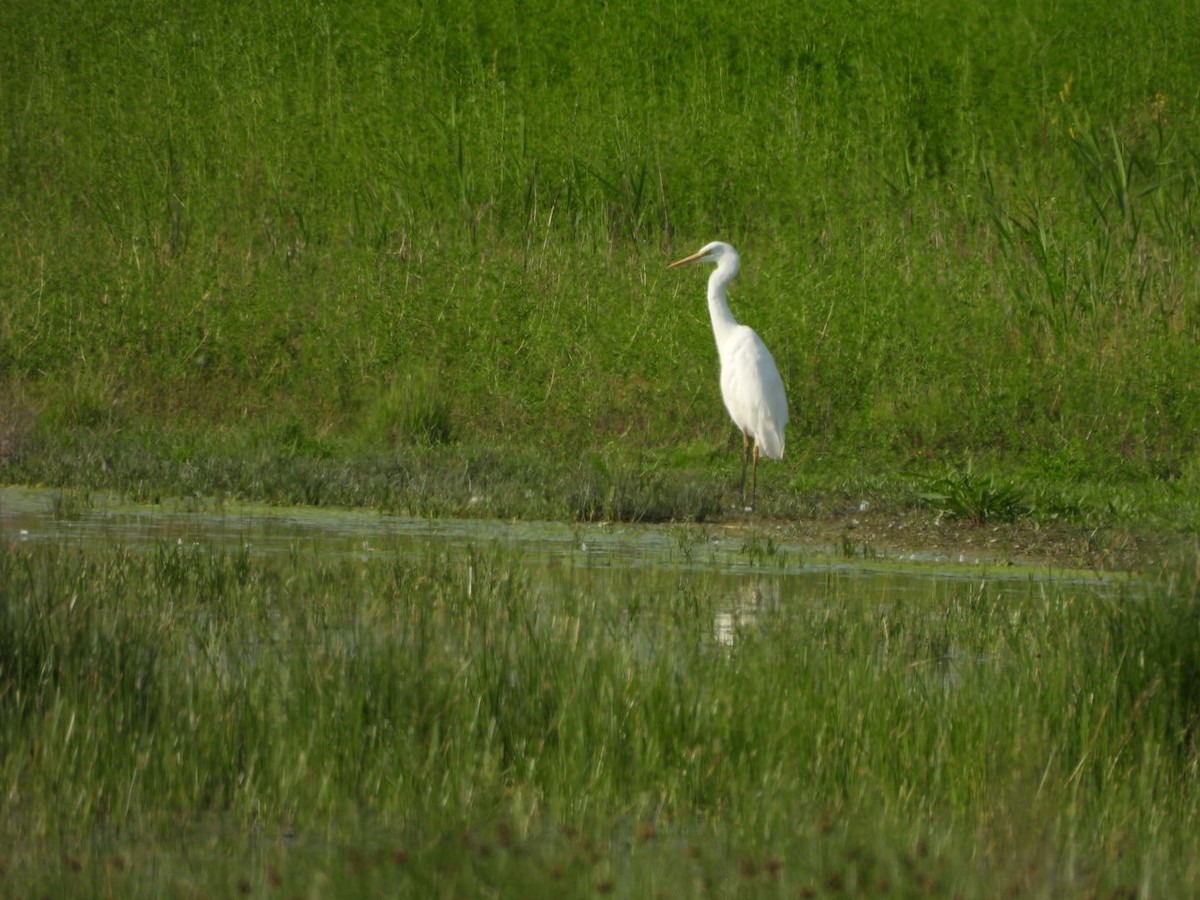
column 181, row 719
column 966, row 230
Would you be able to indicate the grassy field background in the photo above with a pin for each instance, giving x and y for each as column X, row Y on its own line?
column 412, row 256
column 281, row 251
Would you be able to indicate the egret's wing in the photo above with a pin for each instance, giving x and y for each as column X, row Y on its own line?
column 753, row 392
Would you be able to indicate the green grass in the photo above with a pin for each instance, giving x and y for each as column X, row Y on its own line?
column 412, row 257
column 334, row 233
column 191, row 722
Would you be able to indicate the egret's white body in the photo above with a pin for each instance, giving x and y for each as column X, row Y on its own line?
column 750, row 382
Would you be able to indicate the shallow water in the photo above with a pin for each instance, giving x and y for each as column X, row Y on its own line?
column 756, row 569
column 43, row 514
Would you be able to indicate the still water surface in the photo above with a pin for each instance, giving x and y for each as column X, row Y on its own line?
column 755, row 568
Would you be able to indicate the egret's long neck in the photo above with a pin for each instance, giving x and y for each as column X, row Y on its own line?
column 723, row 321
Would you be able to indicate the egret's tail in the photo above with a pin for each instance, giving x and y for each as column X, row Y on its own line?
column 770, row 442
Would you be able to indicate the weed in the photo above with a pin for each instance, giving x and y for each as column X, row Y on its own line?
column 434, row 712
column 71, row 503
column 459, row 240
column 16, row 423
column 759, row 548
column 414, row 413
column 976, row 498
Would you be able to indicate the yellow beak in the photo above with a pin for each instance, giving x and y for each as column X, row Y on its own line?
column 686, row 260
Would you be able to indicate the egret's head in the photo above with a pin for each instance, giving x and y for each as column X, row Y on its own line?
column 717, row 252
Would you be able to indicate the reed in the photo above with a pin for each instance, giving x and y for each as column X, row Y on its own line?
column 180, row 719
column 330, row 234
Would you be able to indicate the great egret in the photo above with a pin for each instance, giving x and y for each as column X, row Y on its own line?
column 750, row 382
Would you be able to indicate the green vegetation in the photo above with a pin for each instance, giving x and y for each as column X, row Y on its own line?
column 269, row 251
column 182, row 721
column 411, row 256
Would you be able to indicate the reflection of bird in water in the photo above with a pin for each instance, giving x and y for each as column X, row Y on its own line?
column 751, row 600
column 750, row 382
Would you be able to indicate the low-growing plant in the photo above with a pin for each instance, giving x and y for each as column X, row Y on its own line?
column 640, row 492
column 70, row 503
column 412, row 412
column 964, row 494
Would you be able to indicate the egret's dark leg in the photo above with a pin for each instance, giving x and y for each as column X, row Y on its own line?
column 754, row 476
column 745, row 459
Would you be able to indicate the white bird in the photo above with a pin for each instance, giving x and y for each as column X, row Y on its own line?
column 750, row 382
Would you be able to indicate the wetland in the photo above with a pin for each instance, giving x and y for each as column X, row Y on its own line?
column 207, row 701
column 367, row 520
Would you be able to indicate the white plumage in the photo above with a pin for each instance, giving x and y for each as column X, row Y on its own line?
column 750, row 383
